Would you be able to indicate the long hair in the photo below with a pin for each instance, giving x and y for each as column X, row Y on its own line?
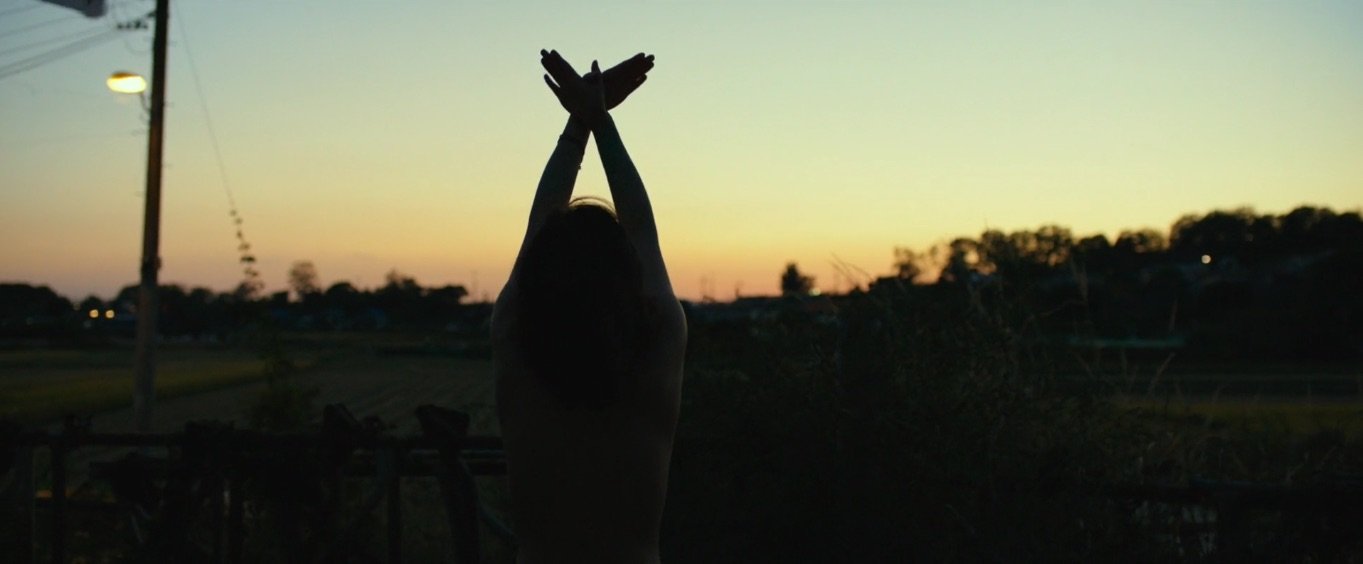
column 581, row 307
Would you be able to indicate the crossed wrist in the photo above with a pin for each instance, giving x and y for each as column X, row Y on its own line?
column 576, row 131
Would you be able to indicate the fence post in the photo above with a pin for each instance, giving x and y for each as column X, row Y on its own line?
column 394, row 477
column 17, row 506
column 457, row 487
column 236, row 517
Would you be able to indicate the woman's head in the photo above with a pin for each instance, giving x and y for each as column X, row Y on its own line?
column 579, row 286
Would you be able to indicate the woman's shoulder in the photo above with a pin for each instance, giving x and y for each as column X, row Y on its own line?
column 504, row 313
column 666, row 321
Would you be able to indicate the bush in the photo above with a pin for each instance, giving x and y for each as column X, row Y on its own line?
column 924, row 426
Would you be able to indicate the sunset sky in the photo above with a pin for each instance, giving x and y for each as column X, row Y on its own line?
column 372, row 135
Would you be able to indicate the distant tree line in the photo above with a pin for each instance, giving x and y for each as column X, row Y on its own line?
column 1233, row 283
column 28, row 311
column 1227, row 283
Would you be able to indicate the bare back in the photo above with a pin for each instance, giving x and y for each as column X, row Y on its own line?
column 589, row 484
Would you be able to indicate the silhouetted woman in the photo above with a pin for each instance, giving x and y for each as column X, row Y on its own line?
column 588, row 342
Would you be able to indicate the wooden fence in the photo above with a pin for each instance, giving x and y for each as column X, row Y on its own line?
column 184, row 496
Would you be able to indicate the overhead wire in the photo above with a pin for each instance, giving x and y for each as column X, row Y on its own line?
column 64, row 51
column 252, row 281
column 77, row 35
column 119, row 11
column 116, row 11
column 20, row 9
column 85, row 42
column 39, row 25
column 203, row 105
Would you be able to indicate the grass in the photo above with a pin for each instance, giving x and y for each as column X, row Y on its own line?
column 38, row 386
column 1285, row 416
column 923, row 426
column 912, row 434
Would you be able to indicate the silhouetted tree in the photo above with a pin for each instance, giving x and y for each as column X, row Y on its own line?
column 1140, row 241
column 91, row 303
column 960, row 259
column 127, row 297
column 795, row 283
column 303, row 279
column 22, row 303
column 401, row 297
column 396, row 282
column 908, row 265
column 342, row 294
column 1219, row 234
column 1093, row 252
column 447, row 296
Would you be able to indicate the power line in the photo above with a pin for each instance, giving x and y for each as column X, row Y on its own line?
column 20, row 9
column 78, row 35
column 252, row 280
column 93, row 40
column 39, row 25
column 203, row 104
column 45, row 57
column 28, row 6
column 119, row 10
column 116, row 11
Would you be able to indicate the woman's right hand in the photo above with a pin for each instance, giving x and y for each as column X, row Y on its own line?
column 587, row 98
column 583, row 102
column 623, row 79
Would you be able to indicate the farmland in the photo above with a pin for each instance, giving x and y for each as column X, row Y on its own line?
column 940, row 430
column 201, row 382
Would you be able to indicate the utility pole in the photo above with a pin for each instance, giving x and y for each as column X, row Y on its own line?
column 148, row 306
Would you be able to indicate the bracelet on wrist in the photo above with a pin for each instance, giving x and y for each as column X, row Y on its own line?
column 580, row 142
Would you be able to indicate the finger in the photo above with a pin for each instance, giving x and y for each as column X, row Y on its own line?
column 550, row 82
column 594, row 77
column 634, row 66
column 621, row 69
column 644, row 62
column 559, row 68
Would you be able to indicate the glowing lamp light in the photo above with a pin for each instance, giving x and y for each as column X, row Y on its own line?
column 94, row 314
column 109, row 314
column 125, row 82
column 1206, row 259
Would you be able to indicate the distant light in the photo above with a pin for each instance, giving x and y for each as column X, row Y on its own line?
column 125, row 82
column 109, row 314
column 94, row 314
column 1206, row 259
column 815, row 292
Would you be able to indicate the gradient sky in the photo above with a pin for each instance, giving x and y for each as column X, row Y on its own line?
column 366, row 135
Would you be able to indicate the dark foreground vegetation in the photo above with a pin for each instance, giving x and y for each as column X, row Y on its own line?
column 1011, row 410
column 978, row 418
column 930, row 423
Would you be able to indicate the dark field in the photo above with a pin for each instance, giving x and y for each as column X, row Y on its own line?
column 776, row 462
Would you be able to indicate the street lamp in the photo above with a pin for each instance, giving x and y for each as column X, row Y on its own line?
column 144, row 390
column 124, row 82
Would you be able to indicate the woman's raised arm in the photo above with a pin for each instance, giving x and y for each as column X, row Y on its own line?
column 632, row 205
column 560, row 175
